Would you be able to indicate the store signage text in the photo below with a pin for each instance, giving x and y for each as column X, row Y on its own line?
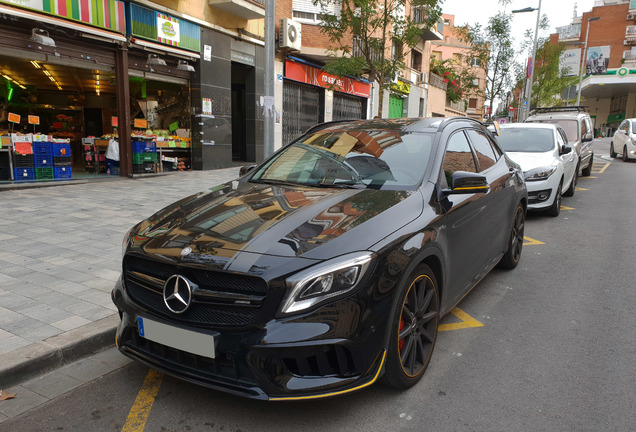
column 314, row 76
column 34, row 120
column 168, row 30
column 14, row 118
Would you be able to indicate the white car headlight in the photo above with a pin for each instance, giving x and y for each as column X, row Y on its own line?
column 323, row 281
column 537, row 174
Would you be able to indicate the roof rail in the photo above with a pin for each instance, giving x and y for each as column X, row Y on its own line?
column 579, row 108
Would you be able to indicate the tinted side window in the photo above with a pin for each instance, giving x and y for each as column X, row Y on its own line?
column 485, row 154
column 458, row 156
column 624, row 126
column 583, row 128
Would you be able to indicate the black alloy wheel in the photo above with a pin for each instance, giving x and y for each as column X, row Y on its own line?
column 625, row 158
column 414, row 329
column 555, row 208
column 575, row 180
column 612, row 151
column 513, row 254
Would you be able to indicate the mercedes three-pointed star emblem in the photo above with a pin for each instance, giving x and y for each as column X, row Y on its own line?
column 177, row 293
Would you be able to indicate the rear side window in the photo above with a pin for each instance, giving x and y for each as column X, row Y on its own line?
column 458, row 156
column 485, row 154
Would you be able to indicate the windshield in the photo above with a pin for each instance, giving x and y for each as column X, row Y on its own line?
column 531, row 140
column 351, row 158
column 571, row 128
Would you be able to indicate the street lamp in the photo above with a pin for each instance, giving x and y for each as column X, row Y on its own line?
column 584, row 59
column 534, row 52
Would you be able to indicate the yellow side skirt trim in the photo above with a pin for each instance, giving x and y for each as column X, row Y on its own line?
column 339, row 392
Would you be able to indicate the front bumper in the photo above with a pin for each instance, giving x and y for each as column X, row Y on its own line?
column 541, row 193
column 330, row 351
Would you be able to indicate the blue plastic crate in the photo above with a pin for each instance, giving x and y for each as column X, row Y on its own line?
column 22, row 174
column 61, row 149
column 62, row 172
column 42, row 148
column 144, row 147
column 43, row 161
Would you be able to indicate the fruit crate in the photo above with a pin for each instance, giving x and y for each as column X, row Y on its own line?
column 42, row 148
column 139, row 158
column 144, row 147
column 62, row 172
column 61, row 150
column 23, row 161
column 43, row 161
column 22, row 174
column 44, row 173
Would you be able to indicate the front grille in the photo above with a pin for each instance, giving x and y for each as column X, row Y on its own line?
column 218, row 300
column 336, row 360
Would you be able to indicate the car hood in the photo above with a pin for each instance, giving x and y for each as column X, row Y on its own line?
column 528, row 161
column 282, row 221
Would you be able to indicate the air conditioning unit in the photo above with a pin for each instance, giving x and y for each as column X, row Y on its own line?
column 422, row 77
column 631, row 16
column 627, row 42
column 290, row 34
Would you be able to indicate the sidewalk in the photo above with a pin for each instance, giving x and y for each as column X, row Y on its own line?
column 60, row 257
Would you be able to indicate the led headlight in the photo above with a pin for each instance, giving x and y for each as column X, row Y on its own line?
column 331, row 278
column 537, row 174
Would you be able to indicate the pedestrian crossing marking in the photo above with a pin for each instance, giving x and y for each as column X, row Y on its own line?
column 530, row 241
column 466, row 321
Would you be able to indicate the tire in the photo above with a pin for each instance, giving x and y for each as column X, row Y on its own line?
column 555, row 208
column 515, row 243
column 413, row 329
column 572, row 188
column 612, row 152
column 588, row 169
column 625, row 157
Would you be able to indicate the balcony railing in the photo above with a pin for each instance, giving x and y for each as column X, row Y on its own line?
column 437, row 81
column 569, row 32
column 630, row 31
column 629, row 55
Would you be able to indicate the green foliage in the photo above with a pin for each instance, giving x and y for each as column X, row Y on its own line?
column 376, row 27
column 459, row 80
column 549, row 81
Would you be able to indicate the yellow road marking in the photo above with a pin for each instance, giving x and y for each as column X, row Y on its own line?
column 467, row 321
column 604, row 168
column 531, row 241
column 136, row 421
column 566, row 208
column 589, row 177
column 581, row 189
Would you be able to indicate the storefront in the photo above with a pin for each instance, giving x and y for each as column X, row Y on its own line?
column 312, row 96
column 71, row 78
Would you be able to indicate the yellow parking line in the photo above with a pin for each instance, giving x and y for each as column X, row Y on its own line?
column 530, row 241
column 589, row 177
column 580, row 189
column 136, row 421
column 604, row 168
column 467, row 321
column 566, row 208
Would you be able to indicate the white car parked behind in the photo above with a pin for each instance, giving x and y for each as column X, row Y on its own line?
column 624, row 141
column 548, row 163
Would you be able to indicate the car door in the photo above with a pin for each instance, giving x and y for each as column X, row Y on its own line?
column 569, row 159
column 491, row 164
column 621, row 136
column 465, row 220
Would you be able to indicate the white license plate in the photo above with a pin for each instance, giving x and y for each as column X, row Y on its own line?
column 175, row 337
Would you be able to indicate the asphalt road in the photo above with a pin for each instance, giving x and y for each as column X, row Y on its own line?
column 557, row 349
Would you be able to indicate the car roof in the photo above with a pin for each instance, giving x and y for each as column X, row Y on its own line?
column 430, row 124
column 529, row 126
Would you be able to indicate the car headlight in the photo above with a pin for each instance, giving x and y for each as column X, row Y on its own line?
column 537, row 174
column 331, row 278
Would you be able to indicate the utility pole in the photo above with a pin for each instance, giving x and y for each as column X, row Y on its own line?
column 269, row 108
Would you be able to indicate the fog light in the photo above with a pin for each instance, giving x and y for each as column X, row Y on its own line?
column 542, row 196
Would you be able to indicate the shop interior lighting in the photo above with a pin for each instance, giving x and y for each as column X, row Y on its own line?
column 51, row 77
column 183, row 65
column 35, row 64
column 8, row 78
column 42, row 37
column 155, row 60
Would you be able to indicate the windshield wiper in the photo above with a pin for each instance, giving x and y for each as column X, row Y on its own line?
column 277, row 182
column 340, row 185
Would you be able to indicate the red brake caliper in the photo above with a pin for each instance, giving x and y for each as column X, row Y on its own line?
column 401, row 342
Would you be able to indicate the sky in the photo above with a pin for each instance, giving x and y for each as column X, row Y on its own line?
column 559, row 13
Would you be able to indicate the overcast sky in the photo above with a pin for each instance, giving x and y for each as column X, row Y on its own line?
column 559, row 12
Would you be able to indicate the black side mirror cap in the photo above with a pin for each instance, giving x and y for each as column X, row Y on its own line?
column 463, row 182
column 565, row 150
column 245, row 169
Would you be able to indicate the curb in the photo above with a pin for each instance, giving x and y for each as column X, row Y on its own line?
column 27, row 362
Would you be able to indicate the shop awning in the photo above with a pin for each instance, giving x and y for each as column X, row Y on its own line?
column 155, row 47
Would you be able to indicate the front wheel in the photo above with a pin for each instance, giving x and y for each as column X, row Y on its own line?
column 625, row 158
column 555, row 208
column 575, row 179
column 588, row 169
column 413, row 329
column 515, row 243
column 612, row 152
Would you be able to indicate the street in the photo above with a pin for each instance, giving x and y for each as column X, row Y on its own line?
column 547, row 346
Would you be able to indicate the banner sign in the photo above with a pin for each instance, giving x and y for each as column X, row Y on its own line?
column 597, row 60
column 168, row 30
column 34, row 120
column 570, row 62
column 14, row 118
column 314, row 76
column 107, row 14
column 140, row 123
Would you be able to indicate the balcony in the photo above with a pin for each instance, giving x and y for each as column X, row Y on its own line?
column 418, row 15
column 247, row 9
column 569, row 33
column 629, row 55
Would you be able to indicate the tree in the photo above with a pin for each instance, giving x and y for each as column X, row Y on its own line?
column 372, row 37
column 549, row 79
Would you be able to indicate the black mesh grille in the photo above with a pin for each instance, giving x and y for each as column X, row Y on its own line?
column 199, row 313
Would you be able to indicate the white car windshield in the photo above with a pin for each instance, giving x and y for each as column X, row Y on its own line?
column 531, row 140
column 571, row 128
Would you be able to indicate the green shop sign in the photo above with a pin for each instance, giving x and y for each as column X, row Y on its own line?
column 614, row 118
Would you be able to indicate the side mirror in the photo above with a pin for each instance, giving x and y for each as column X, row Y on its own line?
column 588, row 137
column 245, row 169
column 463, row 182
column 565, row 149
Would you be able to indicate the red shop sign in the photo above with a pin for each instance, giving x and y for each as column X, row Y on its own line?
column 314, row 76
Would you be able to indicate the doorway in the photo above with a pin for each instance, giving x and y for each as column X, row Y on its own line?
column 240, row 75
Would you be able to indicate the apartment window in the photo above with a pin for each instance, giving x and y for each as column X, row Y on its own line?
column 358, row 46
column 472, row 103
column 476, row 82
column 308, row 12
column 437, row 55
column 416, row 60
column 475, row 62
column 457, row 58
